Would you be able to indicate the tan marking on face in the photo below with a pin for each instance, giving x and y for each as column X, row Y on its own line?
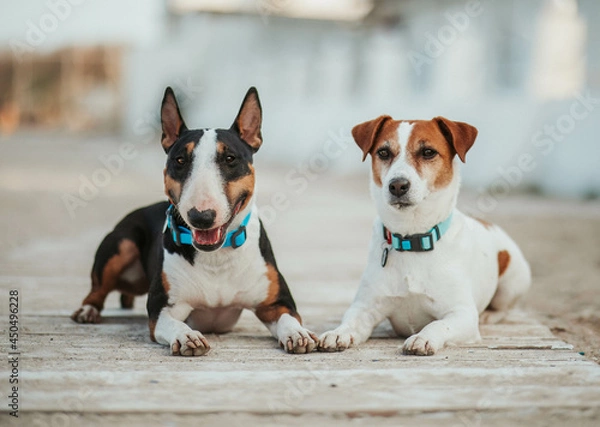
column 438, row 171
column 189, row 147
column 503, row 261
column 269, row 311
column 172, row 188
column 388, row 137
column 245, row 185
column 483, row 222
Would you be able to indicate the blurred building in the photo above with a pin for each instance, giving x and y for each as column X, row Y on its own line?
column 527, row 74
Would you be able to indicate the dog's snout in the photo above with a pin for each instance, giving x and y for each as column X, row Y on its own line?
column 202, row 220
column 399, row 187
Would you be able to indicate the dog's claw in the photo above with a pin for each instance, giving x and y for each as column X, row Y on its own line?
column 86, row 314
column 191, row 343
column 335, row 341
column 300, row 342
column 418, row 346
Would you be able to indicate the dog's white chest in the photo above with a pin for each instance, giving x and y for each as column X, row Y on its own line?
column 239, row 282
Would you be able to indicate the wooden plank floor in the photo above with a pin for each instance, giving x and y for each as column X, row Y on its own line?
column 79, row 373
column 111, row 374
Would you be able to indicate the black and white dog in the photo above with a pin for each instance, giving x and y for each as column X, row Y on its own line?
column 203, row 256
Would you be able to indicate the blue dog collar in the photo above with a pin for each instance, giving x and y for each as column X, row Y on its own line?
column 417, row 242
column 183, row 235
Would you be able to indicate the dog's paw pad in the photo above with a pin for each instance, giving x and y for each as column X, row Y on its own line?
column 190, row 343
column 335, row 341
column 299, row 342
column 86, row 314
column 419, row 346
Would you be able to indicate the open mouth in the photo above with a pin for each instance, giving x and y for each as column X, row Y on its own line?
column 401, row 205
column 210, row 240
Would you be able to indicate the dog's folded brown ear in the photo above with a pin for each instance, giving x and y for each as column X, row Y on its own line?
column 366, row 133
column 459, row 135
column 171, row 121
column 249, row 120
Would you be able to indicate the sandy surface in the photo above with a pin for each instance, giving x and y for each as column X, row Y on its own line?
column 47, row 251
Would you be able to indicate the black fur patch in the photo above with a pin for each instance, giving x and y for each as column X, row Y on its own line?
column 186, row 251
column 179, row 153
column 239, row 150
column 284, row 298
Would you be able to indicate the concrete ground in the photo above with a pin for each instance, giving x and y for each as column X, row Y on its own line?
column 538, row 368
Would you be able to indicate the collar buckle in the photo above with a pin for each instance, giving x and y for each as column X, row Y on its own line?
column 422, row 242
column 414, row 243
column 240, row 232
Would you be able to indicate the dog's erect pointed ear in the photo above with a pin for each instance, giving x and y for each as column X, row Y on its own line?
column 366, row 133
column 459, row 135
column 249, row 120
column 170, row 118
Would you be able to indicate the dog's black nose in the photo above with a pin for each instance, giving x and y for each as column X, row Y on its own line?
column 399, row 187
column 202, row 220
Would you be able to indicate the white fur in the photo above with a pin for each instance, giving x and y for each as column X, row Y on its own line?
column 210, row 294
column 204, row 187
column 433, row 298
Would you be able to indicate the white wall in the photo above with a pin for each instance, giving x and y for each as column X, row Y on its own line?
column 318, row 79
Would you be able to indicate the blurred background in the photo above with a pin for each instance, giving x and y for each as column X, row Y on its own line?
column 81, row 83
column 526, row 74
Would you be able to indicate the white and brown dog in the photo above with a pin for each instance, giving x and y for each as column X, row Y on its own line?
column 432, row 270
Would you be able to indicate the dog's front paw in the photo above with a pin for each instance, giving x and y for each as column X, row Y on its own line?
column 419, row 346
column 190, row 343
column 337, row 340
column 86, row 314
column 299, row 341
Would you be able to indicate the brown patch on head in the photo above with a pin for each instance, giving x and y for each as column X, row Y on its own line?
column 173, row 188
column 244, row 186
column 366, row 134
column 503, row 261
column 483, row 222
column 387, row 139
column 461, row 136
column 240, row 187
column 165, row 282
column 374, row 135
column 438, row 170
column 152, row 327
column 269, row 311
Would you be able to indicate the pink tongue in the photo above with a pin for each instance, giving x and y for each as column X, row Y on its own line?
column 207, row 237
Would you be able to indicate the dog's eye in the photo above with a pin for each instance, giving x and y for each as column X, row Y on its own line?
column 428, row 153
column 383, row 153
column 180, row 160
column 229, row 159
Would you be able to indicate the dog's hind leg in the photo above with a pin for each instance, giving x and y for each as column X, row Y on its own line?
column 106, row 276
column 514, row 279
column 127, row 300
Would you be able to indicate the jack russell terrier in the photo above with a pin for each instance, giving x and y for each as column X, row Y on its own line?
column 432, row 270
